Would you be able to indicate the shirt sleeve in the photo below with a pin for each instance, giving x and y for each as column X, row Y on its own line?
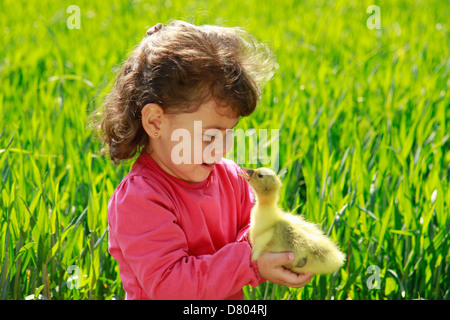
column 156, row 249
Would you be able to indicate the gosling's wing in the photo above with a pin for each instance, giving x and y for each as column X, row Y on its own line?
column 309, row 237
column 285, row 235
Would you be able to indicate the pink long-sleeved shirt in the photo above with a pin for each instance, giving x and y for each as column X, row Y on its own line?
column 177, row 240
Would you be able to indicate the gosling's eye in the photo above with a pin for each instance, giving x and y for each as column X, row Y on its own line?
column 260, row 175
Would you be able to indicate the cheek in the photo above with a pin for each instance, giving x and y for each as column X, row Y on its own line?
column 229, row 141
column 215, row 150
column 183, row 147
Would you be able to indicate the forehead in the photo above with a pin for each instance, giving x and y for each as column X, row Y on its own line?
column 215, row 116
column 210, row 106
column 209, row 114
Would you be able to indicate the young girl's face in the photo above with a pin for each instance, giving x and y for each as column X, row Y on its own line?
column 188, row 145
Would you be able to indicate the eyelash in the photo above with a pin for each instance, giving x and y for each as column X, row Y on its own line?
column 209, row 138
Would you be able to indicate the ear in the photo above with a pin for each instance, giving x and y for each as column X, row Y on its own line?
column 152, row 116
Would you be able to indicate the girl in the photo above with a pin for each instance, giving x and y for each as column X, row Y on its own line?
column 178, row 222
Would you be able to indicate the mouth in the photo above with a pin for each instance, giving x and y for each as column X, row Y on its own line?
column 208, row 165
column 247, row 175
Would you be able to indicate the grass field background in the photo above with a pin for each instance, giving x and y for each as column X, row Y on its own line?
column 364, row 119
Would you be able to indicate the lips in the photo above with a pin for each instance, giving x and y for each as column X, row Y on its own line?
column 208, row 165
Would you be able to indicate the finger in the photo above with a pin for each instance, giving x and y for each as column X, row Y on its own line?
column 294, row 280
column 303, row 279
column 305, row 276
column 285, row 276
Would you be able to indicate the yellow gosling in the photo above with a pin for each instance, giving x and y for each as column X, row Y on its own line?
column 273, row 230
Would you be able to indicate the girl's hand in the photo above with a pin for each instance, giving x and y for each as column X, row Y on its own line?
column 270, row 265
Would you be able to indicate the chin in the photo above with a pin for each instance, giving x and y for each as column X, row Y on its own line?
column 198, row 174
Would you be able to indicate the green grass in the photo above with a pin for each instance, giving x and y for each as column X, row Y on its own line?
column 364, row 119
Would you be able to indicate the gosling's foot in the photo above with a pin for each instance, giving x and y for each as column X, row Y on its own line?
column 301, row 262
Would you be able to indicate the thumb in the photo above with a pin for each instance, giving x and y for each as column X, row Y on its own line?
column 282, row 258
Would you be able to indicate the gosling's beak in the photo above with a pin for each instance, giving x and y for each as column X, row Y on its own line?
column 248, row 173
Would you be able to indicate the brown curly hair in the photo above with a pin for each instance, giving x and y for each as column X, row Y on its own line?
column 179, row 67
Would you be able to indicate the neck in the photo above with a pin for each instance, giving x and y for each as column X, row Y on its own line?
column 267, row 200
column 265, row 212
